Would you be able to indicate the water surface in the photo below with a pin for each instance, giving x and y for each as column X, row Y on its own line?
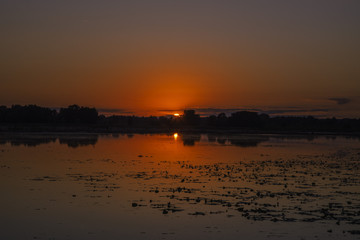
column 88, row 186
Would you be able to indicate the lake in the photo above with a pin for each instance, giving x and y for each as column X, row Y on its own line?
column 179, row 186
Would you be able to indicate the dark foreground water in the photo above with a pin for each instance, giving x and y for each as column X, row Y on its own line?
column 179, row 187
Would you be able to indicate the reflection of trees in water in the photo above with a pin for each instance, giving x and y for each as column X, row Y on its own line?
column 298, row 137
column 33, row 141
column 189, row 140
column 221, row 140
column 251, row 142
column 75, row 142
column 211, row 138
column 241, row 141
column 247, row 140
column 28, row 141
column 80, row 140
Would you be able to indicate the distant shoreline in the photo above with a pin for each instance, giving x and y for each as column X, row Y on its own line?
column 95, row 129
column 32, row 118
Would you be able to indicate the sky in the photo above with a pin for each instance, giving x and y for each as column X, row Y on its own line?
column 159, row 57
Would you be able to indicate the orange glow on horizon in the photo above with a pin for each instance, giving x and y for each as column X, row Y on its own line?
column 176, row 135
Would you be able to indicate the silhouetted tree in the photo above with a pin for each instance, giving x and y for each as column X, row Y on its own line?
column 245, row 119
column 222, row 120
column 76, row 114
column 26, row 114
column 190, row 118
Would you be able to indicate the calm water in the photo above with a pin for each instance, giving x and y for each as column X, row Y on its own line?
column 179, row 187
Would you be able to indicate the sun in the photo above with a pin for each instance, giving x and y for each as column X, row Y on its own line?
column 176, row 115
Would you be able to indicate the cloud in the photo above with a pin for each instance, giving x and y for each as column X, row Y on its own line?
column 210, row 111
column 286, row 111
column 340, row 101
column 113, row 111
column 289, row 110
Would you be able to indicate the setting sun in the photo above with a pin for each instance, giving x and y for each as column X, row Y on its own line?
column 176, row 115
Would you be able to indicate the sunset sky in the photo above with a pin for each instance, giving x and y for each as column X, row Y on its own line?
column 159, row 57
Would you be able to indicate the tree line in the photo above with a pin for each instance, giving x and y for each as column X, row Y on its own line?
column 35, row 114
column 241, row 120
